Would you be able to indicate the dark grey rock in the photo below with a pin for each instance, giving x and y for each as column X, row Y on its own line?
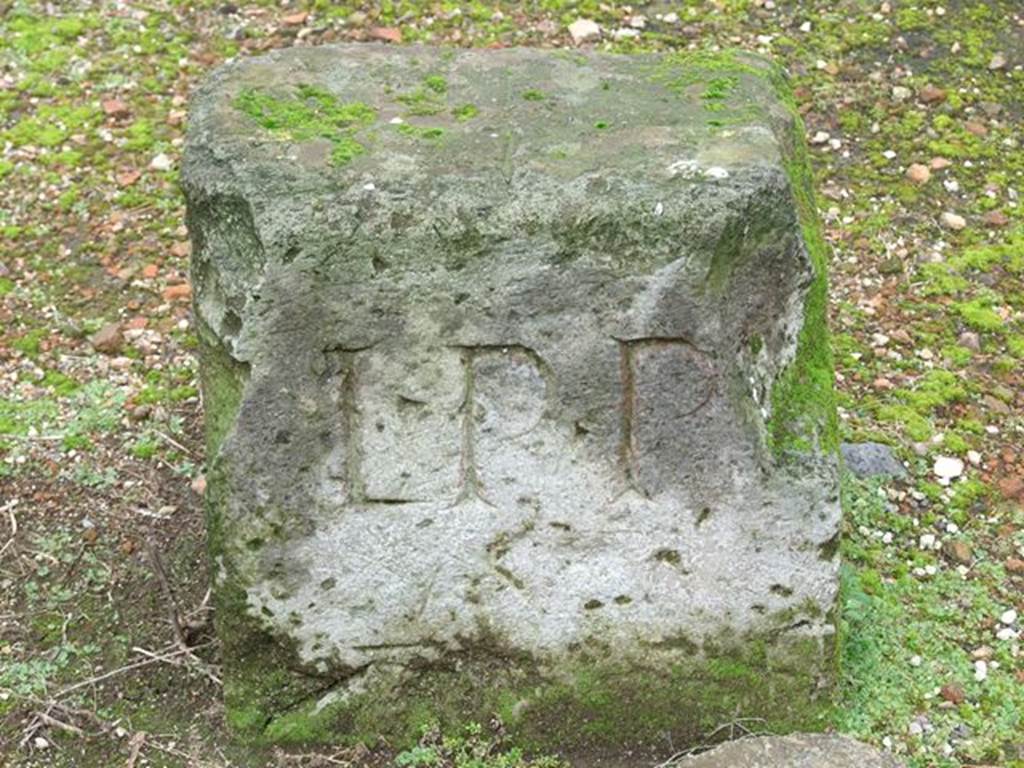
column 797, row 751
column 866, row 460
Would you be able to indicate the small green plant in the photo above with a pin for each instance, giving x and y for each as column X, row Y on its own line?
column 473, row 747
column 465, row 112
column 30, row 343
column 94, row 477
column 145, row 447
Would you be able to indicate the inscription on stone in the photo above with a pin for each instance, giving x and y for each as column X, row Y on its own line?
column 472, row 403
column 664, row 383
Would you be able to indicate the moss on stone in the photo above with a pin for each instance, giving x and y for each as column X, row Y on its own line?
column 591, row 702
column 420, row 132
column 717, row 71
column 803, row 416
column 465, row 112
column 316, row 113
column 345, row 149
column 222, row 379
column 262, row 675
column 436, row 83
column 426, row 100
column 803, row 410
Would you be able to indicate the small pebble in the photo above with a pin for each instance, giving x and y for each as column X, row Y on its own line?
column 980, row 670
column 161, row 163
column 952, row 221
column 948, row 468
column 583, row 30
column 919, row 174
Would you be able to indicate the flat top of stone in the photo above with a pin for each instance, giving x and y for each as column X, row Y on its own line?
column 813, row 750
column 477, row 124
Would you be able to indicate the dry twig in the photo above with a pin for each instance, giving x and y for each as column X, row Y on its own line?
column 173, row 613
column 737, row 730
column 135, row 747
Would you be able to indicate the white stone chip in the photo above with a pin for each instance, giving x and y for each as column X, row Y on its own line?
column 948, row 468
column 583, row 30
column 161, row 163
column 980, row 670
column 952, row 221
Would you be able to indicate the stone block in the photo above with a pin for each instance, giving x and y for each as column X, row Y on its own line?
column 804, row 750
column 518, row 394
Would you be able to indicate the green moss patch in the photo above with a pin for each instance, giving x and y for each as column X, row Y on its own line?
column 315, row 113
column 979, row 313
column 422, row 132
column 465, row 112
column 592, row 702
column 803, row 408
column 428, row 99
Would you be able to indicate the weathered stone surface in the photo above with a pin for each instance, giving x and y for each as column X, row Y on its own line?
column 871, row 460
column 796, row 751
column 518, row 394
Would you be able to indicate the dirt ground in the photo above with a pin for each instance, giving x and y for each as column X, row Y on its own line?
column 913, row 114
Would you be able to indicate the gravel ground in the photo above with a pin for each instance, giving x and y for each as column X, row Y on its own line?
column 913, row 113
